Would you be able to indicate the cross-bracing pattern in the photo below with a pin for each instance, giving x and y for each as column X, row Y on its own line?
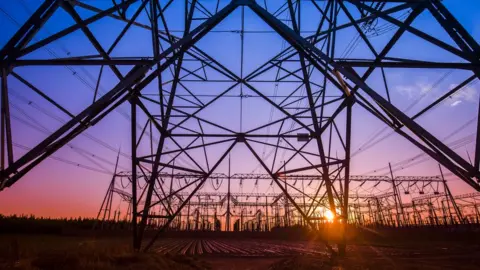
column 195, row 99
column 430, row 202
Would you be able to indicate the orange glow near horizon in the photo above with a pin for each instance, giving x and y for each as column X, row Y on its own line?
column 329, row 215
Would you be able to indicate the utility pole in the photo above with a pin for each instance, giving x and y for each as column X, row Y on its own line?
column 380, row 212
column 266, row 214
column 171, row 187
column 416, row 215
column 287, row 220
column 398, row 200
column 107, row 200
column 241, row 220
column 256, row 208
column 450, row 197
column 133, row 127
column 444, row 212
column 373, row 218
column 304, row 203
column 228, row 196
column 477, row 213
column 433, row 213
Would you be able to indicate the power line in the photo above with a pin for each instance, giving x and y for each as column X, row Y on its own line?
column 44, row 130
column 373, row 140
column 86, row 83
column 66, row 161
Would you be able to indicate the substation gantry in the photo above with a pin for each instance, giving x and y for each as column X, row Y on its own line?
column 408, row 201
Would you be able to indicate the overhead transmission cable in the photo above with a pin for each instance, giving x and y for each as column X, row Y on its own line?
column 455, row 144
column 42, row 129
column 83, row 81
column 372, row 141
column 64, row 160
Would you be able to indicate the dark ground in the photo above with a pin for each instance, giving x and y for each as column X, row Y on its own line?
column 29, row 243
column 405, row 250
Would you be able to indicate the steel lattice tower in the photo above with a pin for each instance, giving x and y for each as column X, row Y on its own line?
column 168, row 91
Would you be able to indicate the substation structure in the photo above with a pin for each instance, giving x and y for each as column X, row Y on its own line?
column 410, row 201
column 194, row 98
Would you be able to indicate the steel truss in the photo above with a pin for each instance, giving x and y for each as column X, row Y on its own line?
column 429, row 203
column 172, row 115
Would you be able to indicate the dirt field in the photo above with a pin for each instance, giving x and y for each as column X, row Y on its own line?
column 63, row 252
column 238, row 248
column 281, row 254
column 391, row 257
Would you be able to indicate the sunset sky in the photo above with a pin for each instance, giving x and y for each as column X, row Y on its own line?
column 57, row 189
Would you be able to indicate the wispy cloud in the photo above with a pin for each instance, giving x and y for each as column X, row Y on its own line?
column 419, row 90
column 455, row 103
column 415, row 90
column 466, row 94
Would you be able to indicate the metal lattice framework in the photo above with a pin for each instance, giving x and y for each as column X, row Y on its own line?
column 173, row 90
column 410, row 201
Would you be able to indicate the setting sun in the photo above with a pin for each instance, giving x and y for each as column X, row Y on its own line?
column 329, row 215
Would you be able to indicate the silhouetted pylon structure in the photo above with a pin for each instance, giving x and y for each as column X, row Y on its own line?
column 181, row 96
